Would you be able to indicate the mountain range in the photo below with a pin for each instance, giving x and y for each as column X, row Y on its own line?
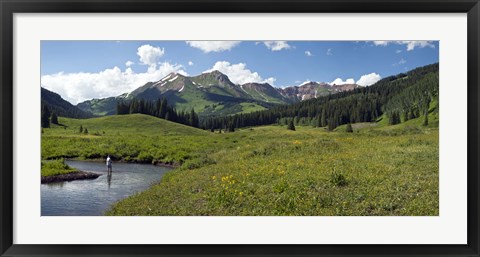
column 213, row 94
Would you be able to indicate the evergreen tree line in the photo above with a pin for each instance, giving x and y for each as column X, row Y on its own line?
column 414, row 101
column 160, row 109
column 365, row 104
column 48, row 116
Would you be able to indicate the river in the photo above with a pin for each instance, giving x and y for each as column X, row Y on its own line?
column 94, row 197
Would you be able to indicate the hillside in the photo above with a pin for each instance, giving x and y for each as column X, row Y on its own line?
column 397, row 98
column 135, row 137
column 61, row 107
column 101, row 107
column 131, row 123
column 313, row 90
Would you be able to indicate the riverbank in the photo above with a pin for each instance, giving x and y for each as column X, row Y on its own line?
column 154, row 162
column 76, row 175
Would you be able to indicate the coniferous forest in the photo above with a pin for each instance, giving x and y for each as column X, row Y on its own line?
column 401, row 97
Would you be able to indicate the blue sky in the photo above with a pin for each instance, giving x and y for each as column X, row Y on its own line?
column 82, row 70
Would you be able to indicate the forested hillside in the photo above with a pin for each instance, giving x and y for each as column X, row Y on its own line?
column 398, row 98
column 56, row 104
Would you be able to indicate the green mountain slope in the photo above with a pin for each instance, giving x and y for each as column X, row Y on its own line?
column 208, row 93
column 101, row 107
column 61, row 107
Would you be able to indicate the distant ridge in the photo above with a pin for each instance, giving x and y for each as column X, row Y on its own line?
column 61, row 107
column 214, row 94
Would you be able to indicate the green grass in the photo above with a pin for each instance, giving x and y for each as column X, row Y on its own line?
column 251, row 107
column 266, row 170
column 133, row 137
column 56, row 167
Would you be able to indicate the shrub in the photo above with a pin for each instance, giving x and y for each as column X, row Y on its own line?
column 338, row 179
column 291, row 126
column 349, row 128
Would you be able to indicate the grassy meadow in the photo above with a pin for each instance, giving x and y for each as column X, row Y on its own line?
column 56, row 167
column 268, row 170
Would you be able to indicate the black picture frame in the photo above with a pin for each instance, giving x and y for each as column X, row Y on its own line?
column 9, row 7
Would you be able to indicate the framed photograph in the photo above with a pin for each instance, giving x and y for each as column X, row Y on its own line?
column 246, row 128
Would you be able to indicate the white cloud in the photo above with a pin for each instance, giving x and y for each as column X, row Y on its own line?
column 277, row 45
column 329, row 51
column 129, row 63
column 398, row 51
column 365, row 80
column 190, row 63
column 78, row 87
column 421, row 44
column 239, row 74
column 369, row 79
column 149, row 55
column 401, row 62
column 213, row 46
column 381, row 43
column 308, row 53
column 411, row 45
column 339, row 81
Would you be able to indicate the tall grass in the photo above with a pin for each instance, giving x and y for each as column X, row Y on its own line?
column 55, row 167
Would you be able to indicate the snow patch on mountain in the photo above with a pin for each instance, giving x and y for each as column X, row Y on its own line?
column 304, row 83
column 161, row 83
column 170, row 80
column 166, row 77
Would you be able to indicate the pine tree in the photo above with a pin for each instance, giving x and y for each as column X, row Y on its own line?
column 412, row 115
column 425, row 121
column 85, row 131
column 231, row 127
column 291, row 126
column 349, row 128
column 427, row 105
column 45, row 117
column 80, row 129
column 323, row 120
column 331, row 125
column 405, row 115
column 394, row 118
column 54, row 118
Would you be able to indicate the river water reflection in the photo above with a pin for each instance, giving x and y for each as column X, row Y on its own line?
column 94, row 197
